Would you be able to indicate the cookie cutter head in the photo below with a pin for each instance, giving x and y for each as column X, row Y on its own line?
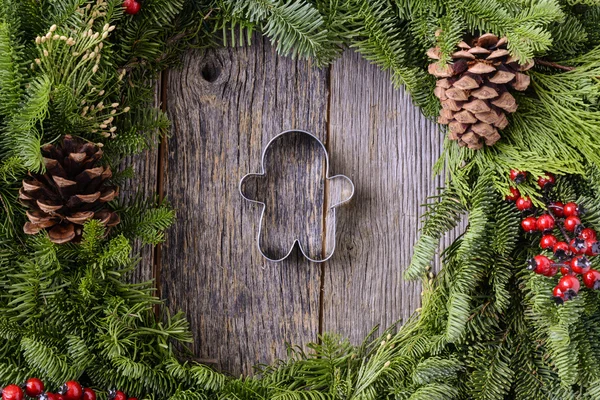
column 298, row 197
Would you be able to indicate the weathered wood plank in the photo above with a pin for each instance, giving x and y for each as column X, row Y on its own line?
column 225, row 105
column 383, row 143
column 144, row 183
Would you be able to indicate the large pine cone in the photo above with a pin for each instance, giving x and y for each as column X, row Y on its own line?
column 474, row 89
column 72, row 191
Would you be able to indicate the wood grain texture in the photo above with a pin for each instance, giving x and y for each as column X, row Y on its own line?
column 144, row 183
column 226, row 105
column 383, row 143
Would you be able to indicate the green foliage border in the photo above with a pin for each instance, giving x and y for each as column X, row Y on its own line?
column 487, row 328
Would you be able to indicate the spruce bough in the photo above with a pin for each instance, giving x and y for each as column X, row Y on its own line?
column 487, row 328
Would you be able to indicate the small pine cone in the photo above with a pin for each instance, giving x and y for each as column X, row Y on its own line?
column 474, row 89
column 72, row 191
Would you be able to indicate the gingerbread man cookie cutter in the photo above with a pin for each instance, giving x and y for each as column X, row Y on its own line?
column 298, row 197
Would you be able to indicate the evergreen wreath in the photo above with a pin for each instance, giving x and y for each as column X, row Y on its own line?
column 488, row 328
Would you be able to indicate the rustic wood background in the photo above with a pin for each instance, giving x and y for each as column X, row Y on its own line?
column 225, row 105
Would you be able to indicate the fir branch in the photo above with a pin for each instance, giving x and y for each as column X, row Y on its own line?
column 382, row 40
column 296, row 27
column 436, row 369
column 50, row 361
column 492, row 375
column 435, row 391
column 10, row 76
column 142, row 219
column 501, row 281
column 23, row 139
column 441, row 218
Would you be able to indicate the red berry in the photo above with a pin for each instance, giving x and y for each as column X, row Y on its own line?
column 545, row 223
column 529, row 224
column 543, row 266
column 116, row 395
column 569, row 282
column 540, row 265
column 580, row 265
column 588, row 233
column 560, row 250
column 548, row 242
column 593, row 247
column 132, row 398
column 34, row 387
column 514, row 194
column 578, row 246
column 52, row 396
column 571, row 223
column 557, row 209
column 518, row 176
column 88, row 394
column 590, row 279
column 565, row 269
column 132, row 7
column 524, row 203
column 12, row 392
column 60, row 396
column 546, row 180
column 558, row 294
column 71, row 390
column 571, row 210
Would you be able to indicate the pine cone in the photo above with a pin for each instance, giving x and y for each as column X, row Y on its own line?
column 72, row 191
column 474, row 90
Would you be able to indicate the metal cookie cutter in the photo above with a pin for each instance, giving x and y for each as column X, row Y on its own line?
column 298, row 197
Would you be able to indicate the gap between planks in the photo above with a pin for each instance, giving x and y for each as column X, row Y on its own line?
column 160, row 190
column 325, row 209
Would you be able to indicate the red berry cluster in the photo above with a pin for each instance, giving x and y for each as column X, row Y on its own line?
column 572, row 255
column 72, row 390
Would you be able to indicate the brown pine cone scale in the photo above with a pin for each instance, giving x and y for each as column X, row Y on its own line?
column 72, row 191
column 474, row 90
